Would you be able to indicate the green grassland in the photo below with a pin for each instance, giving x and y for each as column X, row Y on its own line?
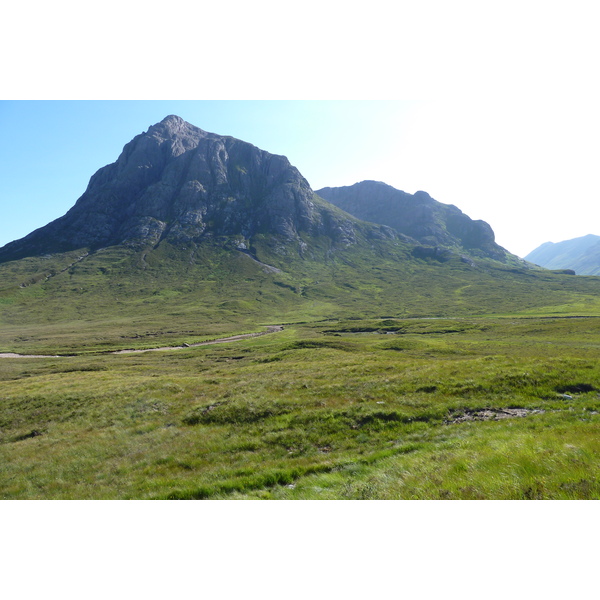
column 504, row 408
column 393, row 378
column 139, row 298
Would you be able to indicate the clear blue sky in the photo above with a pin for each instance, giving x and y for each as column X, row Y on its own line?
column 528, row 168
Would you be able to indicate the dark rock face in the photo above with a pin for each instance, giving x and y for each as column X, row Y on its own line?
column 416, row 215
column 179, row 182
column 435, row 252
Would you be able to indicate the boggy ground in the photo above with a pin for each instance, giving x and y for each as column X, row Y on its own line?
column 473, row 408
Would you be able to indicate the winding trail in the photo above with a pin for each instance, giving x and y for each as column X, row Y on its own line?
column 13, row 355
column 233, row 338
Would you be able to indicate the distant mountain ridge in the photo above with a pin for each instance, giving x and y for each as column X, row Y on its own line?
column 581, row 254
column 416, row 215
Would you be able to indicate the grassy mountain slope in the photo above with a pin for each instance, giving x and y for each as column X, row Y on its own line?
column 121, row 297
column 589, row 262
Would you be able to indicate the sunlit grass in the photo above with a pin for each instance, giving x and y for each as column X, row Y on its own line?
column 315, row 412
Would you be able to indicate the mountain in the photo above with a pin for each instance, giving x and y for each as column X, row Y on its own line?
column 190, row 233
column 180, row 183
column 581, row 254
column 417, row 215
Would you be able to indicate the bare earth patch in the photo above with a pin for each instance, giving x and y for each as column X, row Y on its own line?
column 490, row 414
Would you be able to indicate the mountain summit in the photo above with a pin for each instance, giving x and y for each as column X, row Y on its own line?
column 179, row 182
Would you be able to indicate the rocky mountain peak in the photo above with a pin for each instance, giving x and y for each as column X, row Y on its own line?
column 174, row 122
column 175, row 129
column 180, row 182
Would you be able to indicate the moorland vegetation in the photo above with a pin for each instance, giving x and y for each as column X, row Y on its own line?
column 403, row 370
column 468, row 387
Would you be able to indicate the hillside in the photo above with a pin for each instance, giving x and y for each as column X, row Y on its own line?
column 580, row 254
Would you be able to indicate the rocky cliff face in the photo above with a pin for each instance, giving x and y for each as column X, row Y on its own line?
column 179, row 182
column 416, row 215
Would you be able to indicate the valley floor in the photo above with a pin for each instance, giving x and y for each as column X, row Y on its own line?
column 469, row 408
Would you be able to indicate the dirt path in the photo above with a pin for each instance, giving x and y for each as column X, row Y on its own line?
column 233, row 338
column 13, row 355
